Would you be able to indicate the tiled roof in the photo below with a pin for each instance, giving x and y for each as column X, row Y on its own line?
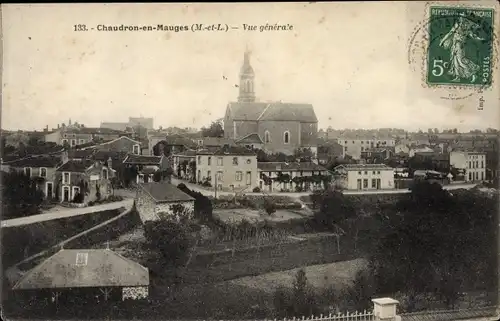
column 250, row 138
column 284, row 166
column 104, row 155
column 92, row 130
column 72, row 165
column 274, row 111
column 227, row 150
column 178, row 140
column 216, row 141
column 80, row 154
column 35, row 161
column 165, row 192
column 187, row 153
column 95, row 268
column 362, row 167
column 142, row 160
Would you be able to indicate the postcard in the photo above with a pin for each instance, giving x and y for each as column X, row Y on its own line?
column 250, row 161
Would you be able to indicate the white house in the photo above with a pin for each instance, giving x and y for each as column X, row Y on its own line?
column 365, row 176
column 354, row 146
column 474, row 164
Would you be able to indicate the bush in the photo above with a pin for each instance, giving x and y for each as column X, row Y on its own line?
column 269, row 206
column 256, row 189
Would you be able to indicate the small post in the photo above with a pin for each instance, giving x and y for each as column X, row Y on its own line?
column 384, row 309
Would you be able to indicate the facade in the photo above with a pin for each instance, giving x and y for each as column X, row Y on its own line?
column 90, row 178
column 251, row 141
column 183, row 165
column 229, row 168
column 162, row 201
column 120, row 144
column 376, row 155
column 365, row 176
column 74, row 135
column 354, row 146
column 419, row 149
column 474, row 164
column 147, row 166
column 65, row 276
column 174, row 143
column 42, row 167
column 401, row 148
column 291, row 177
column 283, row 127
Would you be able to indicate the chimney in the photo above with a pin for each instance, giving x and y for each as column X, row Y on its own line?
column 57, row 126
column 110, row 163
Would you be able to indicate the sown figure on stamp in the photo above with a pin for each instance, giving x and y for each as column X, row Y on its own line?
column 459, row 65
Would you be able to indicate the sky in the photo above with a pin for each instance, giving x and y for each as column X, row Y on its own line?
column 349, row 60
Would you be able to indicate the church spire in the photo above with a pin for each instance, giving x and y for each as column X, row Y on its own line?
column 247, row 77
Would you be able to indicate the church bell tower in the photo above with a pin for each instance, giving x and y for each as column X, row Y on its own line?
column 247, row 78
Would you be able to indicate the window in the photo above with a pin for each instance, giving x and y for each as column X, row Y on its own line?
column 43, row 172
column 345, row 148
column 359, row 183
column 477, row 175
column 105, row 173
column 65, row 178
column 470, row 176
column 267, row 137
column 286, row 137
column 81, row 141
column 469, row 164
column 373, row 172
column 359, row 173
column 73, row 142
column 220, row 161
column 209, row 161
column 482, row 175
column 374, row 183
column 209, row 175
column 220, row 176
column 64, row 141
column 76, row 190
column 249, row 178
column 235, row 160
column 199, row 160
column 362, row 148
column 82, row 258
column 366, row 172
column 365, row 183
column 477, row 164
column 249, row 161
column 27, row 171
column 362, row 142
column 136, row 149
column 345, row 142
column 482, row 164
column 239, row 176
column 378, row 172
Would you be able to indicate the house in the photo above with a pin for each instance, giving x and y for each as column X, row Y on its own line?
column 354, row 146
column 291, row 177
column 43, row 167
column 147, row 166
column 473, row 163
column 228, row 168
column 158, row 201
column 84, row 274
column 283, row 127
column 73, row 135
column 184, row 165
column 402, row 148
column 419, row 149
column 365, row 176
column 376, row 155
column 164, row 144
column 213, row 142
column 120, row 144
column 90, row 178
column 251, row 141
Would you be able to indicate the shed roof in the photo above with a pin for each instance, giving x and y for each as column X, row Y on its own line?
column 165, row 192
column 84, row 268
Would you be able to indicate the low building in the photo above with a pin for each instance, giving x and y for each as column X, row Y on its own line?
column 73, row 135
column 85, row 274
column 365, row 176
column 147, row 166
column 473, row 163
column 90, row 178
column 376, row 155
column 251, row 141
column 184, row 165
column 120, row 144
column 229, row 168
column 164, row 144
column 354, row 146
column 291, row 177
column 419, row 149
column 159, row 201
column 41, row 167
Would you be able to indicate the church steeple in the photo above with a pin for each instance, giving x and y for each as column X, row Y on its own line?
column 247, row 77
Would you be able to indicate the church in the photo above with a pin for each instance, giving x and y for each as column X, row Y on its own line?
column 282, row 127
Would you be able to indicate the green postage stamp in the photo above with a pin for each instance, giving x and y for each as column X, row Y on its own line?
column 460, row 46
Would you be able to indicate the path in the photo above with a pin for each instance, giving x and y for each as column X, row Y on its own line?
column 128, row 203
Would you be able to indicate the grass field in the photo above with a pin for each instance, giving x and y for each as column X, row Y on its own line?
column 337, row 275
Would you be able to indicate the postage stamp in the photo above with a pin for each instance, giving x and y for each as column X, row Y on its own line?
column 460, row 47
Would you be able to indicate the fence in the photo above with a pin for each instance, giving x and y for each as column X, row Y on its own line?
column 356, row 316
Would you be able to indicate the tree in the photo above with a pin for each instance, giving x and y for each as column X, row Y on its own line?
column 173, row 240
column 214, row 130
column 334, row 209
column 269, row 206
column 20, row 195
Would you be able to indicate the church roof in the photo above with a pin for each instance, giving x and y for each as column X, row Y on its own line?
column 274, row 111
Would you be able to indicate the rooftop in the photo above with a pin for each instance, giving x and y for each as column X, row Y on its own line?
column 165, row 192
column 142, row 160
column 74, row 165
column 274, row 111
column 35, row 161
column 227, row 150
column 357, row 167
column 293, row 166
column 84, row 268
